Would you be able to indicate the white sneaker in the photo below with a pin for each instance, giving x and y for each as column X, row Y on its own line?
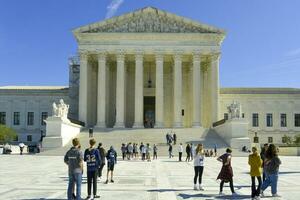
column 201, row 188
column 262, row 195
column 195, row 187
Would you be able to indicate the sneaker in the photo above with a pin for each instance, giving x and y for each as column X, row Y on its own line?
column 257, row 198
column 195, row 187
column 88, row 198
column 73, row 196
column 112, row 181
column 106, row 182
column 262, row 194
column 275, row 195
column 96, row 196
column 201, row 188
column 234, row 194
column 221, row 193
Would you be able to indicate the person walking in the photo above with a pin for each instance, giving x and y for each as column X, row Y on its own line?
column 174, row 138
column 155, row 149
column 263, row 157
column 93, row 162
column 102, row 156
column 180, row 150
column 21, row 146
column 188, row 152
column 215, row 150
column 144, row 150
column 141, row 148
column 123, row 150
column 148, row 152
column 170, row 150
column 74, row 159
column 255, row 163
column 198, row 166
column 111, row 157
column 271, row 166
column 226, row 172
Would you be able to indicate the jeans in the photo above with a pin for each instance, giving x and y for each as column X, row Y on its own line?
column 255, row 191
column 198, row 173
column 271, row 180
column 74, row 178
column 180, row 156
column 92, row 177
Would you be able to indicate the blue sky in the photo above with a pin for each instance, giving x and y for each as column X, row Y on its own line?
column 262, row 47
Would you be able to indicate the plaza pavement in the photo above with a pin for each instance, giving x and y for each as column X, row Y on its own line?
column 30, row 177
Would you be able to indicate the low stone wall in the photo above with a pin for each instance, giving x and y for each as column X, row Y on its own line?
column 289, row 151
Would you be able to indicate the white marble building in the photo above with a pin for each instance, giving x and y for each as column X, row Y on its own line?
column 150, row 68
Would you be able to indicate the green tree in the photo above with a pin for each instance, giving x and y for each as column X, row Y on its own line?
column 297, row 139
column 287, row 139
column 7, row 134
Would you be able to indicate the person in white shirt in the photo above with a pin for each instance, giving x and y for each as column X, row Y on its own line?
column 198, row 166
column 180, row 150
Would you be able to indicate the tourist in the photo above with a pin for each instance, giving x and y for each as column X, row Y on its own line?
column 192, row 151
column 129, row 151
column 155, row 149
column 93, row 162
column 174, row 138
column 21, row 145
column 263, row 156
column 215, row 150
column 226, row 172
column 211, row 153
column 74, row 160
column 148, row 150
column 255, row 163
column 91, row 132
column 170, row 150
column 111, row 157
column 271, row 166
column 123, row 150
column 188, row 152
column 141, row 148
column 180, row 150
column 198, row 166
column 135, row 150
column 144, row 150
column 102, row 156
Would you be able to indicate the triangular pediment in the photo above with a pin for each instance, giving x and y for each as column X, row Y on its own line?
column 148, row 20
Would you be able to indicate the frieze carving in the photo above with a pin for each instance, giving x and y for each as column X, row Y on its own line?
column 150, row 20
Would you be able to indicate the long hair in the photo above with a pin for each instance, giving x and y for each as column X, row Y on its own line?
column 199, row 149
column 271, row 151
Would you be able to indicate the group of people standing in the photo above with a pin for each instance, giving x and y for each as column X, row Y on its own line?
column 95, row 161
column 132, row 151
column 266, row 163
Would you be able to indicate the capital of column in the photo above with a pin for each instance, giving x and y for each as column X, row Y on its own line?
column 196, row 57
column 159, row 57
column 120, row 56
column 83, row 55
column 101, row 56
column 139, row 56
column 178, row 57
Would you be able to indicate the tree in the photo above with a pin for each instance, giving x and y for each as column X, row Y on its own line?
column 287, row 139
column 7, row 134
column 297, row 139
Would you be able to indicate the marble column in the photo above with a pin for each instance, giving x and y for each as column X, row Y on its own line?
column 177, row 88
column 159, row 91
column 196, row 90
column 120, row 93
column 101, row 95
column 139, row 95
column 83, row 88
column 215, row 90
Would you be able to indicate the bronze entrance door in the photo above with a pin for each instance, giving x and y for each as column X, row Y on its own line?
column 149, row 112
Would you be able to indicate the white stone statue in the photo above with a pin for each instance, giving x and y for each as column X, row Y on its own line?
column 235, row 110
column 60, row 110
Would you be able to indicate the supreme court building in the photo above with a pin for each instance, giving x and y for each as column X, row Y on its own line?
column 149, row 68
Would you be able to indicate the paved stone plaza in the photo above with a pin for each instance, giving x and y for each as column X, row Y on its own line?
column 30, row 177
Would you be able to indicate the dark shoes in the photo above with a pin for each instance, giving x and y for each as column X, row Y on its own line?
column 112, row 181
column 96, row 196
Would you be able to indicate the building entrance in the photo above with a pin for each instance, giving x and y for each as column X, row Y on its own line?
column 149, row 112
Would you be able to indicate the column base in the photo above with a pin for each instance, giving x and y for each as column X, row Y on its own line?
column 119, row 125
column 177, row 124
column 138, row 125
column 159, row 125
column 196, row 124
column 100, row 125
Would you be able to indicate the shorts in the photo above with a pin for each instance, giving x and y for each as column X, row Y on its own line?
column 110, row 167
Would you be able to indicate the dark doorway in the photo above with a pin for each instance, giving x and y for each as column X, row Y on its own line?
column 149, row 112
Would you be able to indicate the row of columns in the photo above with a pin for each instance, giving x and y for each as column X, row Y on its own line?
column 159, row 94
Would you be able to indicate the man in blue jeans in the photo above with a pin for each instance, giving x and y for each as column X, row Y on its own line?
column 74, row 160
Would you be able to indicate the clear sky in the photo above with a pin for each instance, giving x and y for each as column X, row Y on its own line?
column 262, row 47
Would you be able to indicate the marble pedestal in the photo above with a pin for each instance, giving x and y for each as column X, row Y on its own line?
column 59, row 131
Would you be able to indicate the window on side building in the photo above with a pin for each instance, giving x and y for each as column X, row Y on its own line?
column 270, row 139
column 256, row 139
column 29, row 138
column 16, row 118
column 269, row 119
column 3, row 118
column 297, row 120
column 226, row 116
column 30, row 118
column 283, row 120
column 255, row 120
